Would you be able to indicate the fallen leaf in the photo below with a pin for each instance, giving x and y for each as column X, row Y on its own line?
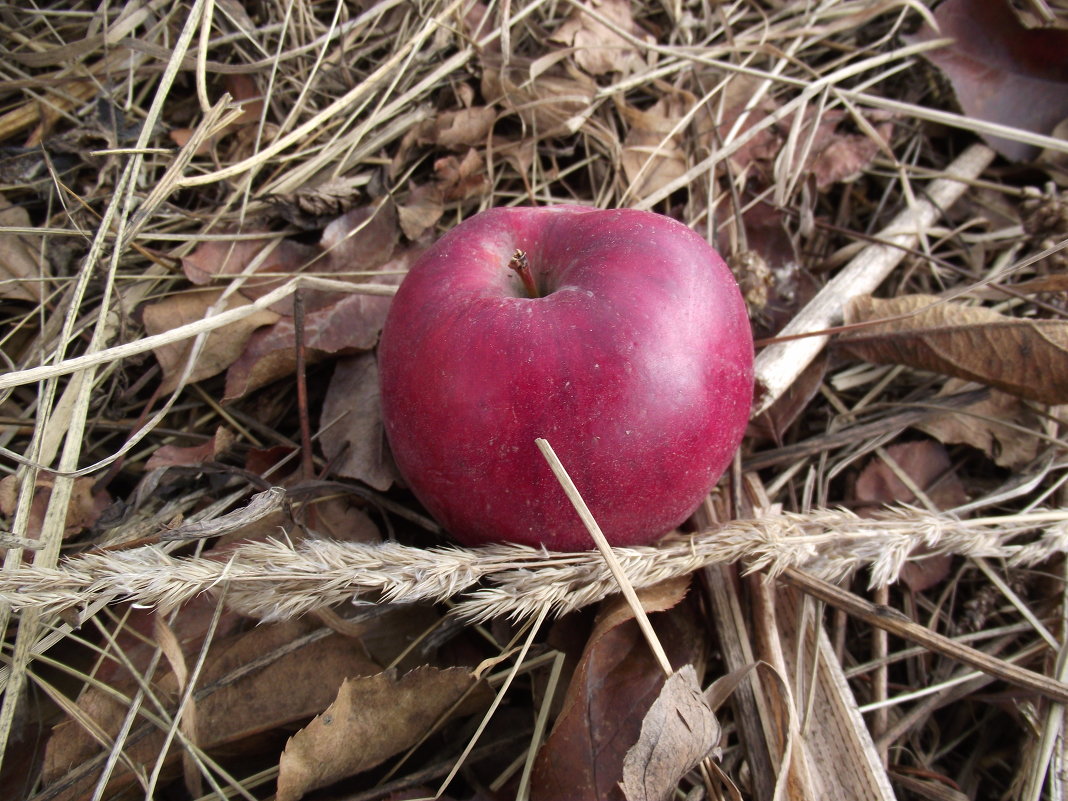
column 461, row 179
column 351, row 323
column 678, row 731
column 547, row 102
column 998, row 425
column 351, row 432
column 927, row 466
column 598, row 49
column 457, row 130
column 83, row 509
column 289, row 680
column 177, row 456
column 21, row 268
column 221, row 347
column 216, row 258
column 1001, row 71
column 421, row 210
column 373, row 718
column 773, row 423
column 615, row 683
column 314, row 206
column 831, row 152
column 1028, row 358
column 653, row 154
column 242, row 88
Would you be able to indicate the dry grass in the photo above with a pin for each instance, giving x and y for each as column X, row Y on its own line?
column 359, row 98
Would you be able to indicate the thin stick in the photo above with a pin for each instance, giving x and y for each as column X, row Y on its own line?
column 779, row 365
column 897, row 624
column 606, row 551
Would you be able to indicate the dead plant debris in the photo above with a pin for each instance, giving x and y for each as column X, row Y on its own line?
column 214, row 585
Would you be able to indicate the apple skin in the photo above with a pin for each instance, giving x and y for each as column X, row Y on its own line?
column 636, row 364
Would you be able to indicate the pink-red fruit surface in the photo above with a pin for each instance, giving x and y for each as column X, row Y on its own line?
column 635, row 363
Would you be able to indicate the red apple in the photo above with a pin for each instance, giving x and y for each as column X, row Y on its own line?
column 634, row 360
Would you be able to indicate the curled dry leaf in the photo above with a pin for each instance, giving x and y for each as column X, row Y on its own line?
column 351, row 323
column 421, row 210
column 20, row 262
column 314, row 206
column 616, row 681
column 831, row 152
column 207, row 451
column 222, row 346
column 373, row 718
column 1027, row 358
column 598, row 49
column 259, row 506
column 546, row 101
column 679, row 730
column 351, row 431
column 999, row 425
column 1001, row 71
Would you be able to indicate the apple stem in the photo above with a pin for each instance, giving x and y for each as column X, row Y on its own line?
column 520, row 264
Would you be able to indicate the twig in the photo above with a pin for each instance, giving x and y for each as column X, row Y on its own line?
column 895, row 623
column 779, row 365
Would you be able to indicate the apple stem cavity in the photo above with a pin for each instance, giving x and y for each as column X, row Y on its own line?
column 521, row 265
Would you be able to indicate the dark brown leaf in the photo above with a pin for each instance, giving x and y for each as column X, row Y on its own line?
column 1001, row 71
column 351, row 323
column 998, row 425
column 221, row 348
column 1028, row 358
column 613, row 686
column 20, row 262
column 351, row 431
column 373, row 718
column 678, row 731
column 285, row 685
column 178, row 456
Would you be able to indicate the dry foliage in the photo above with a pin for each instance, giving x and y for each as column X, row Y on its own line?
column 204, row 211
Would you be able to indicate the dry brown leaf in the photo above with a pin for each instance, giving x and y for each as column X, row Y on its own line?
column 831, row 152
column 177, row 456
column 351, row 323
column 616, row 681
column 222, row 346
column 21, row 269
column 459, row 129
column 351, row 432
column 83, row 510
column 678, row 731
column 460, row 179
column 287, row 685
column 314, row 206
column 548, row 102
column 651, row 158
column 1001, row 71
column 372, row 719
column 1028, row 358
column 985, row 425
column 421, row 211
column 599, row 49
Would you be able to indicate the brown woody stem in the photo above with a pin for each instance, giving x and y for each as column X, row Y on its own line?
column 520, row 264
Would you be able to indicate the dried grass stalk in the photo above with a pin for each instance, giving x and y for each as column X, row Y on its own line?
column 274, row 580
